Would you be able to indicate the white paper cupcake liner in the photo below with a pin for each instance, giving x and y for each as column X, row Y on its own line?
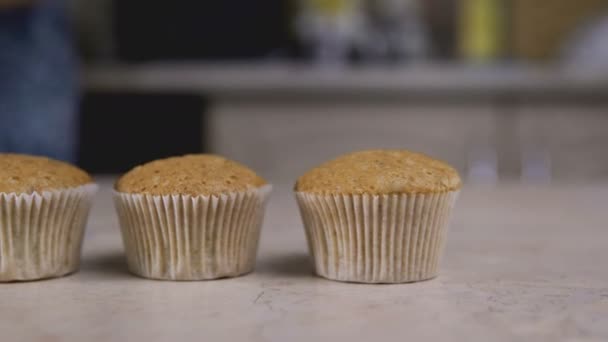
column 183, row 237
column 376, row 238
column 41, row 233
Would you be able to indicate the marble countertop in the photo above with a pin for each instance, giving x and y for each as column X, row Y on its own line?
column 522, row 263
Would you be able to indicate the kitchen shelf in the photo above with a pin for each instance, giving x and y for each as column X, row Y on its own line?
column 289, row 79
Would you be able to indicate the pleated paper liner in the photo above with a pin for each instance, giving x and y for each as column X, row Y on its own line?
column 183, row 237
column 41, row 233
column 376, row 238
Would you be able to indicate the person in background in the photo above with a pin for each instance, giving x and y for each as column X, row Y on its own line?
column 38, row 82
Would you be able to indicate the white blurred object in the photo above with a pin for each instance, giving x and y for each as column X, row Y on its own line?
column 536, row 164
column 375, row 29
column 329, row 27
column 588, row 46
column 482, row 165
column 394, row 29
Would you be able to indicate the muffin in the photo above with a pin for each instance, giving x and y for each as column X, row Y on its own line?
column 377, row 216
column 192, row 217
column 44, row 205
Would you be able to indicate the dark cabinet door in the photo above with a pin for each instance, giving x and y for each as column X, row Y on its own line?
column 161, row 30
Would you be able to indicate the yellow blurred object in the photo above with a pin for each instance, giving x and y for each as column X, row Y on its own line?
column 331, row 7
column 481, row 29
column 539, row 27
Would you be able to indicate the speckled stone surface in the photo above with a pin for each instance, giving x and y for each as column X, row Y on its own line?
column 522, row 264
column 380, row 172
column 194, row 174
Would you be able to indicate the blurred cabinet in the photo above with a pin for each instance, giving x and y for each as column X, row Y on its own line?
column 485, row 141
column 284, row 139
column 570, row 139
column 504, row 123
column 120, row 130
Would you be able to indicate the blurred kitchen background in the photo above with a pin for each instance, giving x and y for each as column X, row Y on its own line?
column 511, row 90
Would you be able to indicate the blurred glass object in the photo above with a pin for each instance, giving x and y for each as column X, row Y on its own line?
column 329, row 28
column 482, row 29
column 395, row 31
column 588, row 46
column 535, row 164
column 482, row 164
column 38, row 94
column 336, row 31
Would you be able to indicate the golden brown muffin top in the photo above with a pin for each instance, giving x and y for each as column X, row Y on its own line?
column 196, row 174
column 27, row 174
column 380, row 172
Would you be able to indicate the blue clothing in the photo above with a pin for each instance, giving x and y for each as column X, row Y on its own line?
column 38, row 86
